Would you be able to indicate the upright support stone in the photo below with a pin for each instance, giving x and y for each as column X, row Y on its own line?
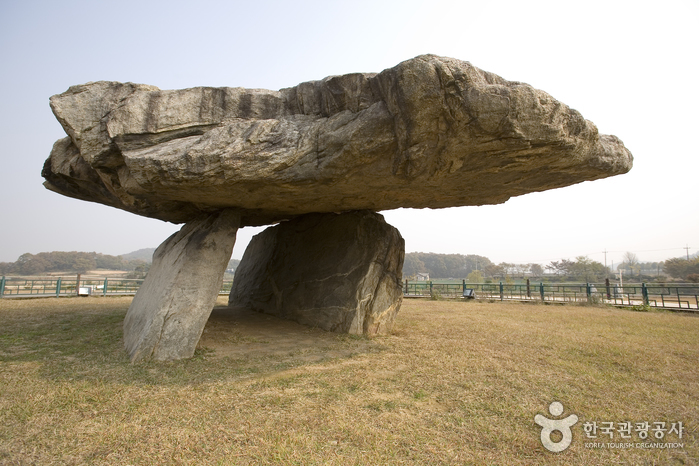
column 169, row 312
column 339, row 272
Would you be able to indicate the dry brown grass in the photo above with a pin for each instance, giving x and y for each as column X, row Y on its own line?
column 456, row 383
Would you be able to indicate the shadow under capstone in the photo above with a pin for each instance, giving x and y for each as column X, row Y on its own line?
column 239, row 333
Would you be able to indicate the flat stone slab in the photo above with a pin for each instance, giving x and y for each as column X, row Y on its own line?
column 430, row 132
column 338, row 272
column 170, row 309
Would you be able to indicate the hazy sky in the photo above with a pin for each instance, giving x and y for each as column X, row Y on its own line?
column 630, row 67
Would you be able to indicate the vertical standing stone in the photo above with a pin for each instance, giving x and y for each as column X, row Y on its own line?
column 169, row 311
column 339, row 272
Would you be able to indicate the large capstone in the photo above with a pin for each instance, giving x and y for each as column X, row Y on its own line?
column 169, row 312
column 430, row 132
column 339, row 272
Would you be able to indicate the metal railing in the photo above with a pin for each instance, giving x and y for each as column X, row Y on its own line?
column 679, row 296
column 684, row 296
column 27, row 287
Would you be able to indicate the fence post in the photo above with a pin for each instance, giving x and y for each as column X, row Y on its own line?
column 431, row 291
column 644, row 292
column 104, row 291
column 606, row 283
column 502, row 292
column 2, row 286
column 58, row 287
column 77, row 286
column 529, row 290
column 588, row 291
column 463, row 287
column 541, row 289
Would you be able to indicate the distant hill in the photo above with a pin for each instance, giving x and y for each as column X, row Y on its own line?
column 67, row 261
column 81, row 262
column 147, row 256
column 142, row 254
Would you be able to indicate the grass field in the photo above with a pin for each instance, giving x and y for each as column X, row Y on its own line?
column 455, row 383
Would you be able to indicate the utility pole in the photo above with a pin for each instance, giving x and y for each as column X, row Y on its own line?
column 606, row 270
column 687, row 248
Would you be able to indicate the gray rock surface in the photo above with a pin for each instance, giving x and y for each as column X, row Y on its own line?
column 339, row 272
column 430, row 132
column 169, row 312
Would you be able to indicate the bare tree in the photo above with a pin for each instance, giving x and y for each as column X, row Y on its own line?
column 631, row 261
column 536, row 270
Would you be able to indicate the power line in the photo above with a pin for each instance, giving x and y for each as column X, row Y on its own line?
column 642, row 250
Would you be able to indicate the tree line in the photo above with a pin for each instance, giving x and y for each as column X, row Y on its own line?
column 443, row 265
column 476, row 268
column 82, row 262
column 687, row 269
column 73, row 261
column 471, row 267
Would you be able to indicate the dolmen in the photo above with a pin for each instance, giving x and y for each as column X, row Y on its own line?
column 316, row 162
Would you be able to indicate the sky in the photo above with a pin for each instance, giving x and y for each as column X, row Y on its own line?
column 627, row 66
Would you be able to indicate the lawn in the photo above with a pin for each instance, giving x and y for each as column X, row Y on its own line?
column 457, row 382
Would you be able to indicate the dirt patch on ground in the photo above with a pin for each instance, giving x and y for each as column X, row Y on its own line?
column 239, row 333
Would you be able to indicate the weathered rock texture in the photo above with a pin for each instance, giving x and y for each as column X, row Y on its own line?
column 430, row 132
column 169, row 311
column 339, row 272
